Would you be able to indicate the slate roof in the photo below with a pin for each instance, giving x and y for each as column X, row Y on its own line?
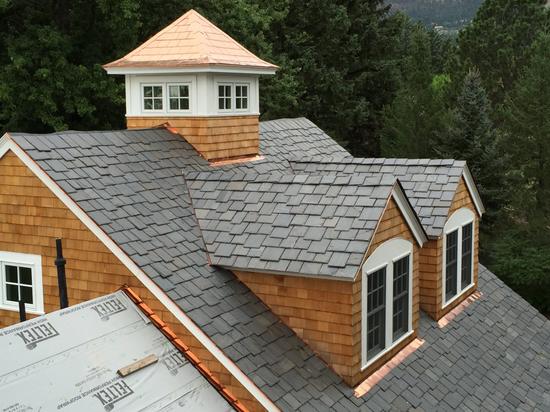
column 429, row 184
column 303, row 224
column 131, row 183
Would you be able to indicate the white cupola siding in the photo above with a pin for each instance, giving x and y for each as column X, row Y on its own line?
column 199, row 81
column 193, row 94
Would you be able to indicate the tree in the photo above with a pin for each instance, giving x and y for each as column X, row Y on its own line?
column 526, row 122
column 498, row 41
column 472, row 138
column 418, row 115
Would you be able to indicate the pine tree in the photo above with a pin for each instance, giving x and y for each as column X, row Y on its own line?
column 472, row 138
column 526, row 121
column 498, row 41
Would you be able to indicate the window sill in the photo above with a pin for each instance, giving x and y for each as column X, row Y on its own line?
column 388, row 349
column 33, row 311
column 458, row 296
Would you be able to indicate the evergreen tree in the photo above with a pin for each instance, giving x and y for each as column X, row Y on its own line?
column 526, row 121
column 418, row 115
column 472, row 138
column 498, row 40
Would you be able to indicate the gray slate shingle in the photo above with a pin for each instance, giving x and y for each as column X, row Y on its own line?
column 296, row 232
column 426, row 182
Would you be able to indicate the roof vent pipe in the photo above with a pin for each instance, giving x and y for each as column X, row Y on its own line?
column 22, row 312
column 61, row 278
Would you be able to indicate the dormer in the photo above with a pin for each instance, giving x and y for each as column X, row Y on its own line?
column 198, row 80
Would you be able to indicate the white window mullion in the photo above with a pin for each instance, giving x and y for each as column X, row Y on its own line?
column 389, row 306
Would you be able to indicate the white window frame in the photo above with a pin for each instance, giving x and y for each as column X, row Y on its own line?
column 168, row 110
column 386, row 255
column 247, row 85
column 460, row 218
column 232, row 89
column 34, row 262
column 163, row 88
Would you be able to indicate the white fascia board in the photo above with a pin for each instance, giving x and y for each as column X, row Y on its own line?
column 409, row 214
column 166, row 70
column 7, row 143
column 472, row 188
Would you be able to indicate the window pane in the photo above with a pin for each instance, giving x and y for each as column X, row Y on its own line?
column 147, row 91
column 184, row 104
column 174, row 104
column 184, row 91
column 245, row 91
column 451, row 265
column 11, row 274
column 157, row 104
column 148, row 104
column 221, row 105
column 25, row 276
column 157, row 91
column 227, row 91
column 228, row 103
column 400, row 297
column 173, row 91
column 221, row 90
column 12, row 293
column 376, row 312
column 238, row 103
column 467, row 247
column 26, row 294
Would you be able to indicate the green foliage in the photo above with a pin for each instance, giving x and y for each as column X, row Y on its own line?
column 418, row 116
column 522, row 260
column 499, row 39
column 473, row 138
column 526, row 121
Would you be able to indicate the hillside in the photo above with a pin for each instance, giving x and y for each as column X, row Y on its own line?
column 452, row 15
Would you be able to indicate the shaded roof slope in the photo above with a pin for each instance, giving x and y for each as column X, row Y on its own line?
column 430, row 185
column 191, row 41
column 70, row 360
column 303, row 224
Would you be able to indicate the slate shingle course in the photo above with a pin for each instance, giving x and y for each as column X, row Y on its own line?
column 425, row 182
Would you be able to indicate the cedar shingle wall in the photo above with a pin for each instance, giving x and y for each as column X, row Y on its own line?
column 31, row 217
column 392, row 225
column 431, row 258
column 326, row 314
column 214, row 137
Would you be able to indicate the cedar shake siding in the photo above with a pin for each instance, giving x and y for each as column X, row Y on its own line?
column 431, row 262
column 325, row 313
column 31, row 217
column 215, row 138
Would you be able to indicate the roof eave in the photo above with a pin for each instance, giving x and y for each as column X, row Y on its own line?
column 209, row 68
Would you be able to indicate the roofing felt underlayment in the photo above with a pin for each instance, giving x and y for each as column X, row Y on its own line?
column 68, row 360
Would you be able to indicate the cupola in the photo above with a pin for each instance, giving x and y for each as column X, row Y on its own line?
column 201, row 82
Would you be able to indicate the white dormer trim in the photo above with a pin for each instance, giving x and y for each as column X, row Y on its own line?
column 410, row 216
column 472, row 188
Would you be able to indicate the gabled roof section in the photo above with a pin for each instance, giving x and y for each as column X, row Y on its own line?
column 294, row 224
column 190, row 42
column 430, row 184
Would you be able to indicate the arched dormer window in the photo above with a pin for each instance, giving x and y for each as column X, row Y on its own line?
column 458, row 254
column 386, row 298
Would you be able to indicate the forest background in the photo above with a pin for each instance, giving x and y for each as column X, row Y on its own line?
column 372, row 78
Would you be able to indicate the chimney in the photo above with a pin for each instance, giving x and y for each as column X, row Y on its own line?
column 194, row 77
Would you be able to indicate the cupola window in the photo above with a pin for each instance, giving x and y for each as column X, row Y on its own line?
column 178, row 97
column 152, row 97
column 224, row 97
column 241, row 96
